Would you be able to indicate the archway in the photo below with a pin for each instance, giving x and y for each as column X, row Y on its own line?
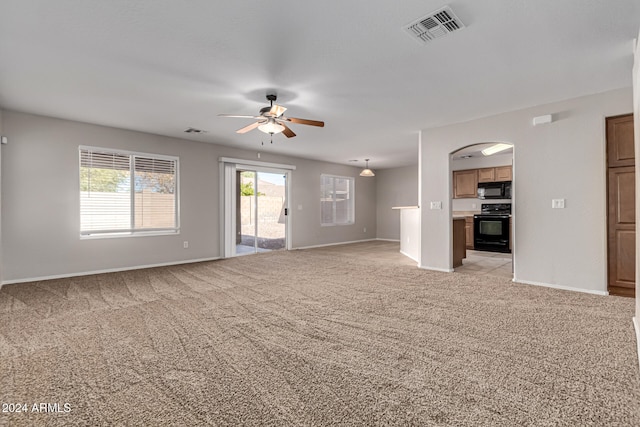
column 482, row 195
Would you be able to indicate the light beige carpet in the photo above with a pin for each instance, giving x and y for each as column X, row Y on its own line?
column 314, row 338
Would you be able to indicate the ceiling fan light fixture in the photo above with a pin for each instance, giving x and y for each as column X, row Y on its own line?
column 366, row 171
column 271, row 127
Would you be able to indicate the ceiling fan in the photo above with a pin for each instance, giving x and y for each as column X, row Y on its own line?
column 272, row 121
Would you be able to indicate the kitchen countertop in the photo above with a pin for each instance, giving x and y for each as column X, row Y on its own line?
column 465, row 213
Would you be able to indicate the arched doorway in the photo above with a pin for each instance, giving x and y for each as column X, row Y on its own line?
column 482, row 196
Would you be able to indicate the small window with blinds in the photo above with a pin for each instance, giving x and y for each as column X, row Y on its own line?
column 336, row 200
column 124, row 193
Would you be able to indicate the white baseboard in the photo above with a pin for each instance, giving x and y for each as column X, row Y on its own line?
column 564, row 288
column 636, row 326
column 388, row 240
column 108, row 270
column 333, row 244
column 443, row 270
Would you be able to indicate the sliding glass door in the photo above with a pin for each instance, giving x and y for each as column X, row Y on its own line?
column 272, row 211
column 255, row 215
column 261, row 211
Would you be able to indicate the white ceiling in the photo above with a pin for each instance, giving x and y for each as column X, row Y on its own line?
column 161, row 66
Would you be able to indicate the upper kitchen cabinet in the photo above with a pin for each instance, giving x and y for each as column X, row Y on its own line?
column 487, row 175
column 504, row 173
column 497, row 174
column 465, row 184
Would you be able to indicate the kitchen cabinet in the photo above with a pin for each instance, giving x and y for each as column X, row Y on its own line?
column 487, row 175
column 497, row 174
column 459, row 250
column 504, row 173
column 468, row 231
column 465, row 184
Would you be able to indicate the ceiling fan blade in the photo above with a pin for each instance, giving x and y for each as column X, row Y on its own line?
column 304, row 121
column 246, row 129
column 287, row 132
column 242, row 117
column 277, row 110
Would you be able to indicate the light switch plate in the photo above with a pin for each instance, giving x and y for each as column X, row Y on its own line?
column 436, row 205
column 557, row 203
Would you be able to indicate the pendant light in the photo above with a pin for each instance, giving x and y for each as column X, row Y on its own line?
column 366, row 171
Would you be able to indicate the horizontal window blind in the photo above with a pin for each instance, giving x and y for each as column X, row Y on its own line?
column 336, row 200
column 125, row 193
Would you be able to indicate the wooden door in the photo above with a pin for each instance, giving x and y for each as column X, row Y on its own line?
column 621, row 195
column 620, row 150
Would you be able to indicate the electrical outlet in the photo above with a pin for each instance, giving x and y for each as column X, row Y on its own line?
column 365, row 229
column 185, row 244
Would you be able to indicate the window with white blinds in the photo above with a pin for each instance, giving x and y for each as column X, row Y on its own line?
column 337, row 205
column 127, row 193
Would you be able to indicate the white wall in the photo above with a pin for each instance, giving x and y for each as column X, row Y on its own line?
column 636, row 124
column 2, row 134
column 564, row 159
column 478, row 163
column 394, row 187
column 40, row 200
column 410, row 233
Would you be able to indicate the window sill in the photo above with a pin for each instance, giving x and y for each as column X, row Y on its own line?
column 129, row 234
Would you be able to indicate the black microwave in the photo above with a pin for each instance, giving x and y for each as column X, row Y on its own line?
column 494, row 190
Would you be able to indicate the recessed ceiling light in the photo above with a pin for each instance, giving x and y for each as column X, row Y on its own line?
column 495, row 149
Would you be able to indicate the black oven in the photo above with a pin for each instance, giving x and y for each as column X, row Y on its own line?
column 491, row 228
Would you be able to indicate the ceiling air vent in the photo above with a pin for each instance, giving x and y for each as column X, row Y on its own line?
column 194, row 130
column 436, row 24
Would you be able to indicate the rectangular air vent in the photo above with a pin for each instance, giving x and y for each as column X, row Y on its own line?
column 194, row 130
column 436, row 24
